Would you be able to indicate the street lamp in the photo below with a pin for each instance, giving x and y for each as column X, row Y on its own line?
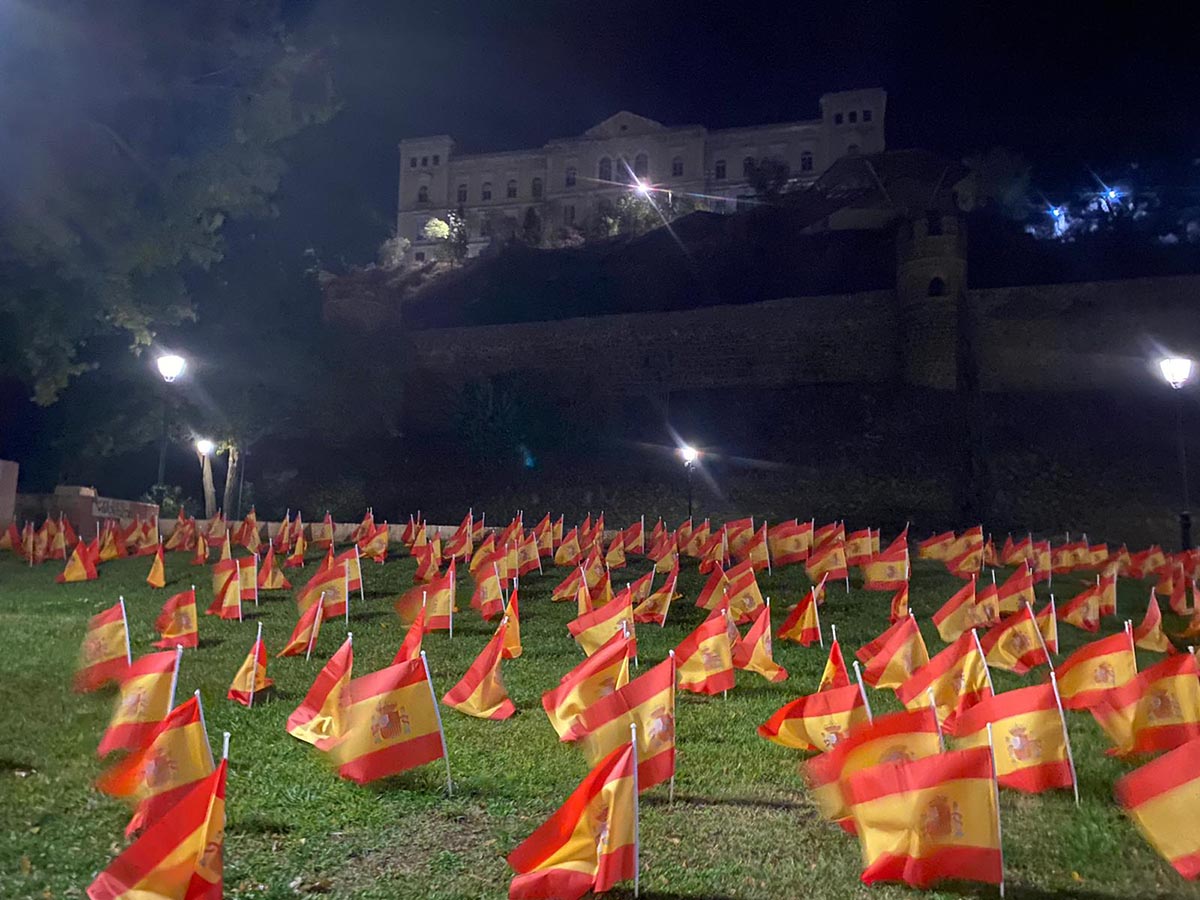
column 205, row 447
column 690, row 455
column 1177, row 372
column 170, row 366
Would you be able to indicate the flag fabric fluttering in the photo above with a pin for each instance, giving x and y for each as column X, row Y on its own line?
column 104, row 655
column 753, row 651
column 957, row 678
column 1157, row 710
column 146, row 695
column 1096, row 668
column 177, row 622
column 158, row 572
column 891, row 659
column 319, row 718
column 602, row 673
column 817, row 721
column 704, row 659
column 481, row 691
column 251, row 679
column 1160, row 798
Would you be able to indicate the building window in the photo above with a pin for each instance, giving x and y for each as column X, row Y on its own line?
column 437, row 159
column 806, row 161
column 641, row 165
column 837, row 118
column 937, row 288
column 570, row 178
column 604, row 171
column 853, row 116
column 747, row 166
column 536, row 189
column 677, row 167
column 719, row 170
column 423, row 194
column 412, row 162
column 569, row 215
column 462, row 193
column 866, row 115
column 485, row 193
column 511, row 190
column 852, row 149
column 419, row 256
column 424, row 162
column 719, row 207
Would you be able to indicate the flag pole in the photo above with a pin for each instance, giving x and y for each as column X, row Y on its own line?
column 817, row 614
column 204, row 726
column 225, row 746
column 441, row 731
column 256, row 580
column 125, row 622
column 1132, row 643
column 636, row 812
column 1066, row 737
column 361, row 595
column 863, row 691
column 175, row 675
column 254, row 665
column 996, row 798
column 937, row 724
column 675, row 736
column 983, row 656
column 316, row 626
column 1038, row 629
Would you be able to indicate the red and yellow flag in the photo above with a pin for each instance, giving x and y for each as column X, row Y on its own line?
column 827, row 561
column 1017, row 587
column 1030, row 735
column 200, row 557
column 158, row 572
column 899, row 606
column 104, row 655
column 512, row 633
column 753, row 651
column 712, row 595
column 803, row 624
column 389, row 724
column 481, row 692
column 251, row 679
column 320, row 717
column 1015, row 644
column 270, row 576
column 1160, row 798
column 958, row 614
column 146, row 695
column 1094, row 669
column 375, row 545
column 835, row 674
column 886, row 571
column 653, row 610
column 179, row 855
column 1150, row 635
column 332, row 583
column 488, row 596
column 227, row 592
column 704, row 659
column 891, row 659
column 177, row 623
column 79, row 567
column 295, row 558
column 1083, row 610
column 322, row 533
column 938, row 547
column 957, row 677
column 790, row 542
column 599, row 675
column 931, row 819
column 1157, row 710
column 307, row 630
column 818, row 721
column 569, row 553
column 248, row 578
column 742, row 592
column 590, row 843
column 410, row 647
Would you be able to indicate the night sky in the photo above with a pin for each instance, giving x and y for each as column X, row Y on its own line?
column 1068, row 85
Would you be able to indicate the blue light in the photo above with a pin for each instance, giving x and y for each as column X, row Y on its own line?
column 1056, row 211
column 1112, row 195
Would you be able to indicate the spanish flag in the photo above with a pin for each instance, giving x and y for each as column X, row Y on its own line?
column 698, row 539
column 899, row 606
column 1157, row 710
column 614, row 558
column 704, row 659
column 1150, row 635
column 827, row 561
column 568, row 588
column 295, row 559
column 528, row 558
column 408, row 534
column 1047, row 624
column 928, row 820
column 437, row 599
column 1017, row 587
column 1083, row 610
column 756, row 551
column 307, row 630
column 179, row 855
column 897, row 737
column 1094, row 669
column 818, row 721
column 200, row 557
column 654, row 608
column 1033, row 753
column 364, row 528
column 227, row 594
column 790, row 542
column 1014, row 554
column 834, row 532
column 104, row 655
column 177, row 622
column 354, row 566
column 835, row 674
column 158, row 575
column 512, row 632
column 410, row 647
column 858, row 547
column 389, row 724
column 320, row 717
column 892, row 658
column 590, row 843
column 488, row 596
column 712, row 595
column 602, row 673
column 936, row 547
column 1160, row 798
column 642, row 588
column 648, row 702
column 958, row 678
column 742, row 593
column 957, row 614
column 569, row 553
column 481, row 691
column 753, row 652
column 375, row 545
column 146, row 696
column 803, row 624
column 111, row 548
column 322, row 534
column 483, row 555
column 594, row 629
column 333, row 585
column 270, row 577
column 1016, row 644
column 600, row 592
column 248, row 578
column 251, row 679
column 154, row 776
column 886, row 571
column 1107, row 584
column 79, row 567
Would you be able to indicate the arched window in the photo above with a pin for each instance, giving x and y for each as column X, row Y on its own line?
column 719, row 170
column 485, row 193
column 806, row 162
column 937, row 288
column 677, row 167
column 462, row 193
column 536, row 188
column 604, row 171
column 641, row 165
column 747, row 166
column 511, row 190
column 423, row 194
column 570, row 179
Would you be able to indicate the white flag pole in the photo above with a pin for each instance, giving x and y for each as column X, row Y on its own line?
column 1132, row 643
column 316, row 626
column 983, row 657
column 817, row 614
column 636, row 813
column 441, row 731
column 863, row 691
column 204, row 727
column 675, row 733
column 254, row 665
column 996, row 799
column 1066, row 736
column 125, row 622
column 175, row 675
column 225, row 745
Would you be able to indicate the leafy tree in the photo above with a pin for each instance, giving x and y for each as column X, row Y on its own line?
column 436, row 230
column 531, row 228
column 135, row 132
column 769, row 176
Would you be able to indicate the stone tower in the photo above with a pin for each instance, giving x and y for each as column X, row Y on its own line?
column 931, row 275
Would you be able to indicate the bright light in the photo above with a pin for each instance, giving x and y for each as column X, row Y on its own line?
column 642, row 188
column 204, row 446
column 1112, row 194
column 689, row 454
column 1176, row 370
column 1056, row 211
column 170, row 366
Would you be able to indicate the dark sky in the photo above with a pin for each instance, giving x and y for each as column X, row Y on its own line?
column 1070, row 85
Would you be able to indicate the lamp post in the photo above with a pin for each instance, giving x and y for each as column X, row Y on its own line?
column 689, row 455
column 170, row 367
column 204, row 449
column 1177, row 372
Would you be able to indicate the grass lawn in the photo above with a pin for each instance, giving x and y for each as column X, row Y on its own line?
column 741, row 825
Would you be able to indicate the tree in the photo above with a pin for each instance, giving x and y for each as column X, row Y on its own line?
column 531, row 228
column 1000, row 178
column 126, row 159
column 769, row 176
column 436, row 230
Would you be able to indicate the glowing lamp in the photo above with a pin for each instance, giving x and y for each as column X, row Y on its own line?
column 1176, row 370
column 689, row 454
column 642, row 188
column 205, row 447
column 170, row 366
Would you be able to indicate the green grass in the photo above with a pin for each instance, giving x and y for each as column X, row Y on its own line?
column 741, row 825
